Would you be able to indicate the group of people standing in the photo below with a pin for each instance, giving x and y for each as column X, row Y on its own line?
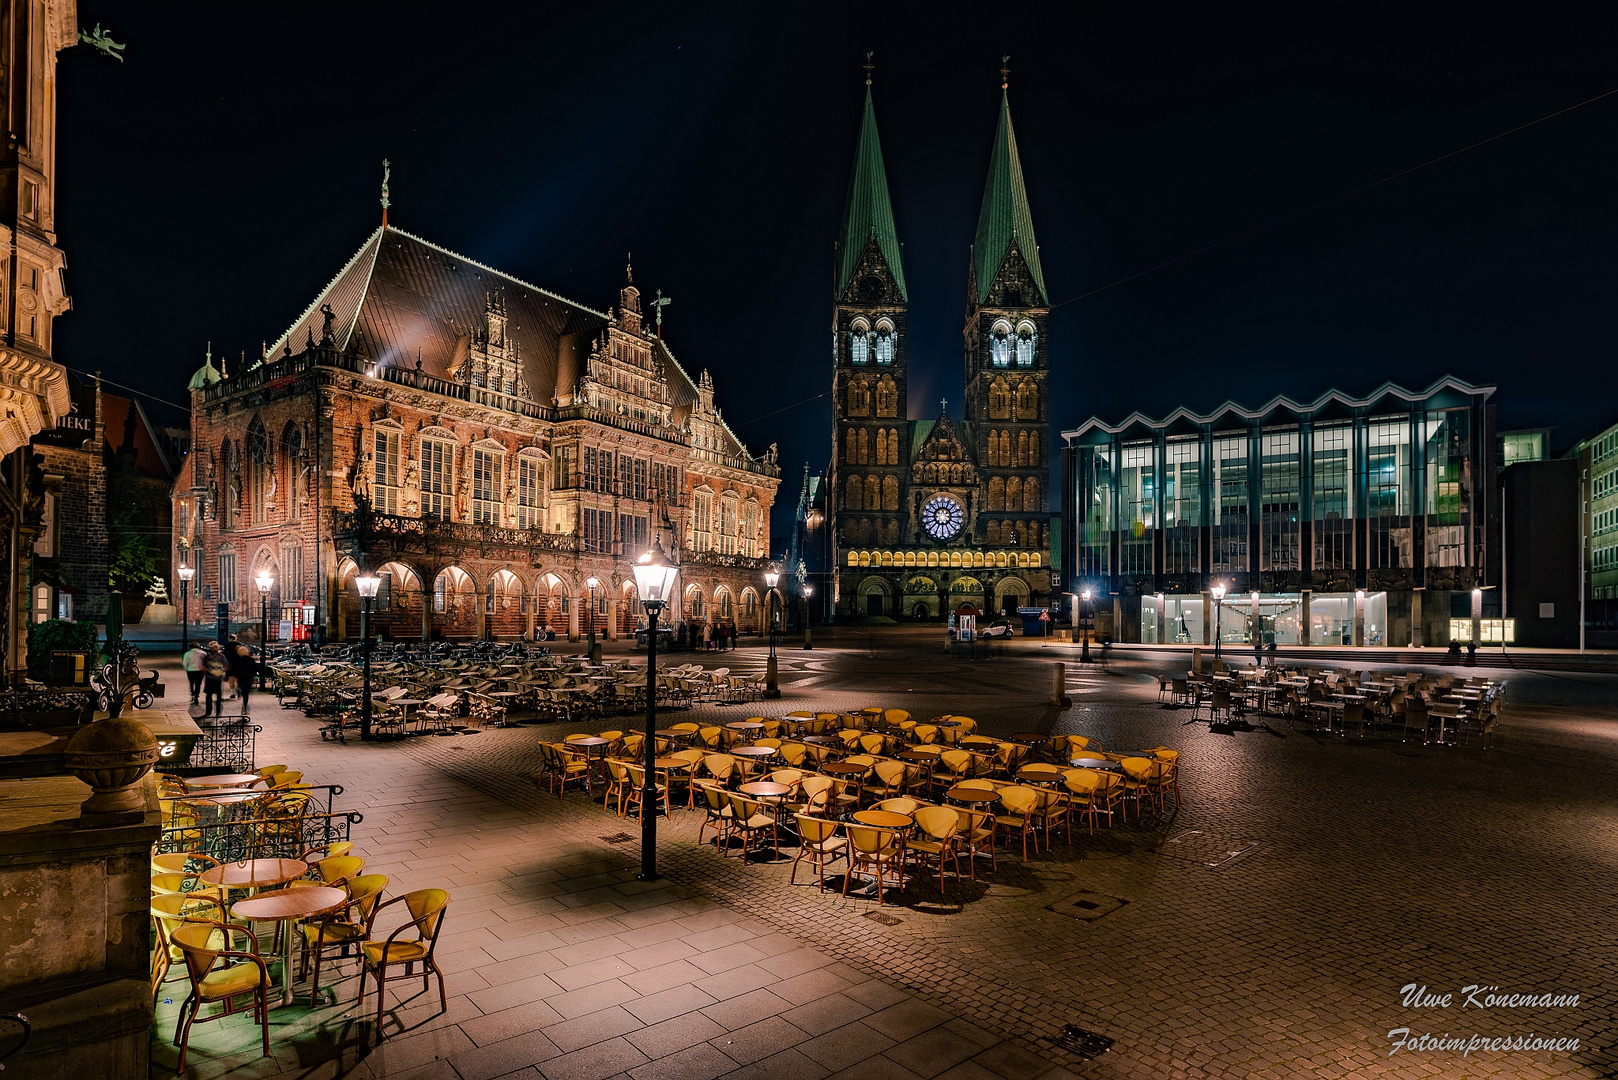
column 207, row 666
column 708, row 636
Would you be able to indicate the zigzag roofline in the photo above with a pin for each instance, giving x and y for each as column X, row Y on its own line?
column 1280, row 401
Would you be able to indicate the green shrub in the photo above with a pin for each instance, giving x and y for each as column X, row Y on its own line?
column 60, row 635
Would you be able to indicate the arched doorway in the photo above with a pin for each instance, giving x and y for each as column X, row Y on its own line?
column 550, row 606
column 876, row 598
column 454, row 604
column 503, row 607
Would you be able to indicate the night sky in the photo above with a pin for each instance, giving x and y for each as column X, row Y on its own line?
column 210, row 186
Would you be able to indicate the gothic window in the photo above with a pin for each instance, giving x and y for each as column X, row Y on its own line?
column 291, row 585
column 885, row 341
column 292, row 454
column 999, row 400
column 1022, row 449
column 997, row 493
column 955, row 474
column 702, row 521
column 865, row 447
column 851, row 452
column 1000, row 345
column 227, row 577
column 859, row 398
column 530, row 472
column 859, row 342
column 893, row 446
column 1013, row 493
column 1026, row 339
column 747, row 530
column 991, row 532
column 882, row 447
column 385, row 466
column 437, row 477
column 890, row 493
column 1028, row 400
column 1003, row 449
column 486, row 486
column 887, row 397
column 854, row 494
column 258, row 457
column 1030, row 496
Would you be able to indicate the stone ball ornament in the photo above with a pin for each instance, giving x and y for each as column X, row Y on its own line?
column 112, row 756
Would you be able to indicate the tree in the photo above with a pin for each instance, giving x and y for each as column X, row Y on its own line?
column 132, row 563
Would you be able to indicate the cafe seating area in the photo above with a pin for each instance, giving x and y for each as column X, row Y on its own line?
column 227, row 918
column 453, row 694
column 873, row 797
column 1411, row 706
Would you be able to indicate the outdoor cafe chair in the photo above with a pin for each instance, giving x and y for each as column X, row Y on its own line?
column 617, row 784
column 426, row 908
column 882, row 850
column 937, row 837
column 816, row 794
column 951, row 767
column 751, row 818
column 977, row 833
column 1017, row 808
column 717, row 805
column 341, row 928
column 636, row 790
column 900, row 805
column 334, row 870
column 885, row 780
column 818, row 841
column 1137, row 783
column 214, row 979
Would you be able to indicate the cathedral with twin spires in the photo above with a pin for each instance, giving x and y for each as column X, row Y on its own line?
column 931, row 517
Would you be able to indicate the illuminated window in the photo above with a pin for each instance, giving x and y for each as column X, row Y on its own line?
column 1025, row 345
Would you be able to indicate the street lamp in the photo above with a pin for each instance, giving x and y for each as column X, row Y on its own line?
column 1084, row 625
column 654, row 577
column 592, row 583
column 368, row 585
column 772, row 578
column 808, row 590
column 185, row 574
column 1219, row 595
column 264, row 580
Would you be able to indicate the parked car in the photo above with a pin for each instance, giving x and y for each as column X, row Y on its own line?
column 998, row 628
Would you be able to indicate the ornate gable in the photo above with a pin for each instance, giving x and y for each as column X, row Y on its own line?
column 872, row 281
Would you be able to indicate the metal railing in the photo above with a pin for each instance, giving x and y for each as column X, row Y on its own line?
column 261, row 838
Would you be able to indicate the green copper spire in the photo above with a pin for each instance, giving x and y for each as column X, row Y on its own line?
column 868, row 212
column 1005, row 218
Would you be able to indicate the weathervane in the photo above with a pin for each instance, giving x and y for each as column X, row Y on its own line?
column 868, row 66
column 658, row 305
column 102, row 42
column 1005, row 71
column 387, row 172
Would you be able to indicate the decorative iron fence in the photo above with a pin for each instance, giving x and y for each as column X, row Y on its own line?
column 228, row 744
column 271, row 837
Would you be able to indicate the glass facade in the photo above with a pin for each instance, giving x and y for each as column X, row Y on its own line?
column 1389, row 494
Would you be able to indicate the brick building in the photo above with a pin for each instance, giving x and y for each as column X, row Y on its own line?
column 486, row 446
column 930, row 517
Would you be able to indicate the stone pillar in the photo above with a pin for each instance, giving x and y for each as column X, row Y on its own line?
column 614, row 610
column 533, row 614
column 426, row 616
column 1415, row 619
column 1303, row 617
column 1207, row 617
column 573, row 618
column 483, row 615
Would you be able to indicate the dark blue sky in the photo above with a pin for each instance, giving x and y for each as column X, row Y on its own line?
column 212, row 184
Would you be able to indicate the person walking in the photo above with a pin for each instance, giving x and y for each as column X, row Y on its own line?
column 214, row 670
column 240, row 659
column 191, row 663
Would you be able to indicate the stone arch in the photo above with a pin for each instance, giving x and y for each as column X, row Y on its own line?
column 1030, row 496
column 552, row 602
column 999, row 399
column 1028, row 400
column 887, row 396
column 751, row 613
column 1013, row 589
column 504, row 607
column 875, row 596
column 890, row 493
column 1013, row 492
column 694, row 603
column 996, row 501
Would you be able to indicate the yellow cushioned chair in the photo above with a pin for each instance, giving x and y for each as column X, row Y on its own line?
column 199, row 942
column 426, row 908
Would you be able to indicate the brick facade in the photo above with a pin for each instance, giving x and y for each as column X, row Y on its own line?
column 487, row 471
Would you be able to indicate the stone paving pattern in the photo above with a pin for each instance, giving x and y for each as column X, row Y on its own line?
column 1370, row 864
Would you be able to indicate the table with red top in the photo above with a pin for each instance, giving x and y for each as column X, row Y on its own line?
column 286, row 906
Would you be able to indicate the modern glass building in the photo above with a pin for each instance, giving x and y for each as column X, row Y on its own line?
column 1353, row 521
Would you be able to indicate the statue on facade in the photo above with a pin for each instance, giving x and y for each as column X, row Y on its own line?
column 101, row 41
column 362, row 478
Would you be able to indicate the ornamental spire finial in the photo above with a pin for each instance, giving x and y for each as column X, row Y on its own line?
column 387, row 172
column 869, row 67
column 1005, row 71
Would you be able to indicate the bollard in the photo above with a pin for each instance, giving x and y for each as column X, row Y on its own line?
column 1059, row 696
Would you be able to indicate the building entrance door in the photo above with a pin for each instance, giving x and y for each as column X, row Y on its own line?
column 873, row 604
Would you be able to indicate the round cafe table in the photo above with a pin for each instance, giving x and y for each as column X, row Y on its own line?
column 587, row 744
column 753, row 751
column 823, row 740
column 254, row 873
column 745, row 725
column 919, row 754
column 764, row 789
column 223, row 780
column 671, row 733
column 1104, row 764
column 1029, row 737
column 844, row 768
column 286, row 906
column 884, row 819
column 972, row 796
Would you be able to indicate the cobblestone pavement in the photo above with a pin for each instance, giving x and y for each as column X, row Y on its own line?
column 1365, row 865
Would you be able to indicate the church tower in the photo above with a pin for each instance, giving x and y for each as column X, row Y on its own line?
column 870, row 434
column 1007, row 307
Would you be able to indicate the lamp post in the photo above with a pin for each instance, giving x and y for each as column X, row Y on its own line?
column 654, row 577
column 368, row 585
column 808, row 641
column 772, row 577
column 264, row 580
column 185, row 574
column 592, row 583
column 1219, row 595
column 1085, row 618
